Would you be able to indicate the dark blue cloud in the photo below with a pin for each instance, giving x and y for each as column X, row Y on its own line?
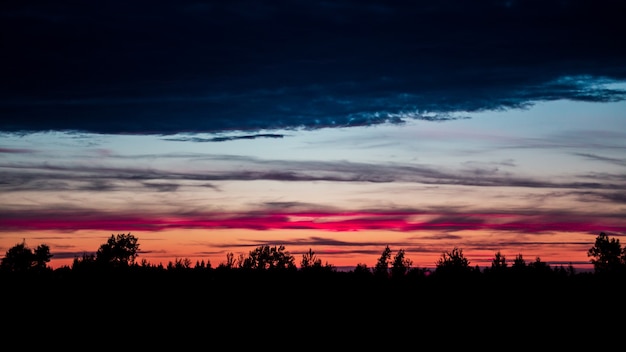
column 212, row 66
column 223, row 138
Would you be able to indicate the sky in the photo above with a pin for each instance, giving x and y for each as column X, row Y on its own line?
column 212, row 127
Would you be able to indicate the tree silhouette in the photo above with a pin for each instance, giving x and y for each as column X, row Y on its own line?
column 499, row 262
column 607, row 254
column 453, row 262
column 119, row 251
column 268, row 258
column 179, row 264
column 519, row 263
column 401, row 265
column 202, row 264
column 21, row 258
column 381, row 269
column 539, row 266
column 362, row 270
column 41, row 257
column 229, row 263
column 310, row 260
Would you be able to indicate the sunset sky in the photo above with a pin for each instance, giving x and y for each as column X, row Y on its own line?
column 212, row 127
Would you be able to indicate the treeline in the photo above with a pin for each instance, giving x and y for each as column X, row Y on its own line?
column 119, row 254
column 267, row 289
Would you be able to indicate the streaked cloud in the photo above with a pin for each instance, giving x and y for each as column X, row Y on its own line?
column 42, row 176
column 616, row 161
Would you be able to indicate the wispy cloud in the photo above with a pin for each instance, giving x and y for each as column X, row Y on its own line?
column 616, row 161
column 44, row 176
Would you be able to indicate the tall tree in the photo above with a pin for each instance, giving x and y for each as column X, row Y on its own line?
column 499, row 262
column 400, row 265
column 381, row 269
column 607, row 255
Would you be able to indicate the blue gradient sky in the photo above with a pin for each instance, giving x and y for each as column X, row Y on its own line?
column 206, row 128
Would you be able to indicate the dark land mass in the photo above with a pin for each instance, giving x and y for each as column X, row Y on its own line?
column 108, row 301
column 306, row 310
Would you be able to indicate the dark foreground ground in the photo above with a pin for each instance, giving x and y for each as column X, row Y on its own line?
column 337, row 310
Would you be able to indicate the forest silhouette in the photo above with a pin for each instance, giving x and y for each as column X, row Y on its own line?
column 116, row 261
column 268, row 290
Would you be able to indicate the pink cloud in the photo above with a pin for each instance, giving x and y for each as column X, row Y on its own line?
column 348, row 221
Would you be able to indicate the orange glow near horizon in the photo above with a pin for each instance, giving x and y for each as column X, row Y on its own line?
column 341, row 249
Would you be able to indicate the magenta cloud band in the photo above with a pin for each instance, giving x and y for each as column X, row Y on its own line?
column 337, row 222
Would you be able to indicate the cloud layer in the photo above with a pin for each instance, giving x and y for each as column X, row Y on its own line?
column 337, row 222
column 167, row 67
